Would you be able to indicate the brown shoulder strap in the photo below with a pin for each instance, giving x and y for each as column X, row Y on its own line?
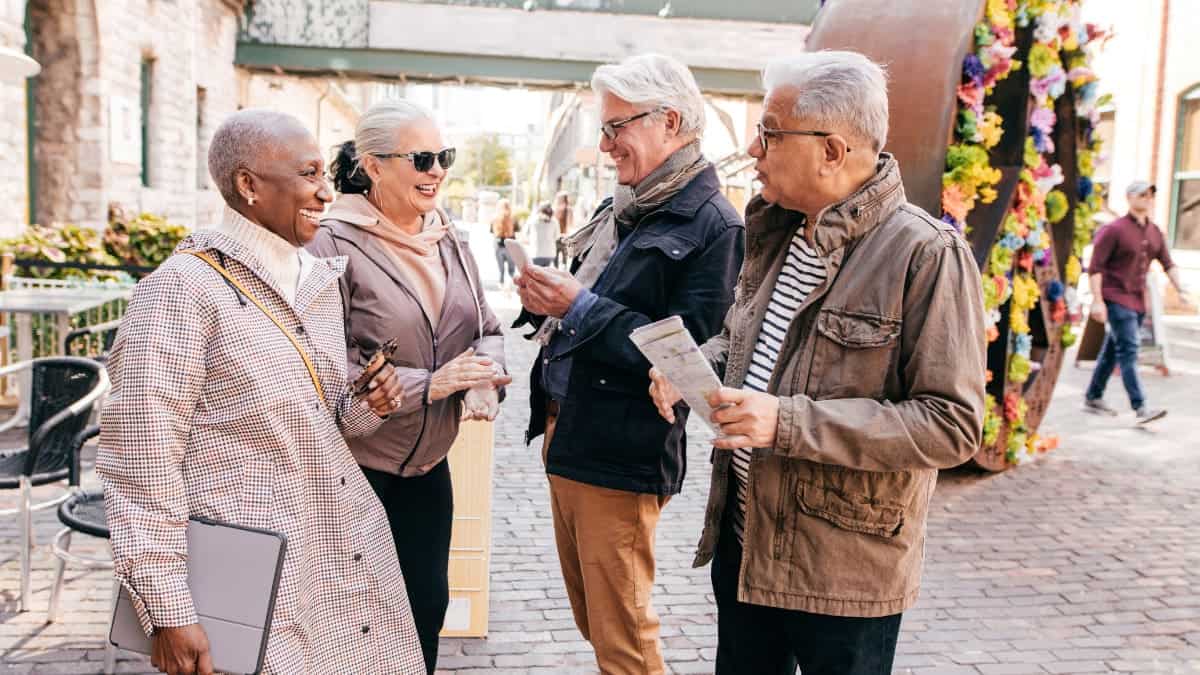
column 312, row 371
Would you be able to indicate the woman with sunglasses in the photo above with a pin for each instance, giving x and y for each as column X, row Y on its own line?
column 410, row 280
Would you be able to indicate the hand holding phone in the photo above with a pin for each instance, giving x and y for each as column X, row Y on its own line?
column 517, row 253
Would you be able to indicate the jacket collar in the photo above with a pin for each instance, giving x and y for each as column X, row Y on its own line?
column 325, row 270
column 844, row 222
column 449, row 247
column 694, row 195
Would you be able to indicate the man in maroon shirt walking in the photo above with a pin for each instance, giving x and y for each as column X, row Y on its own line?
column 1121, row 257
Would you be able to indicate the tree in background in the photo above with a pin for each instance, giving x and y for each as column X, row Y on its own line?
column 484, row 161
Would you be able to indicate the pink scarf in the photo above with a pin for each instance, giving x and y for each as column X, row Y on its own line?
column 417, row 256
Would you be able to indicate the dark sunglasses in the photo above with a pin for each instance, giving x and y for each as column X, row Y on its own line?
column 610, row 129
column 423, row 161
column 764, row 133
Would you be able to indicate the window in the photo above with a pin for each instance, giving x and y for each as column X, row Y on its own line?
column 1185, row 204
column 147, row 82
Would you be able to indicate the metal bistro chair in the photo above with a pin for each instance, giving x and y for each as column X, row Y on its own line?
column 82, row 512
column 63, row 390
column 75, row 343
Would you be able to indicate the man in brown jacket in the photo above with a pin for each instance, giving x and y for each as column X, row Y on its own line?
column 853, row 361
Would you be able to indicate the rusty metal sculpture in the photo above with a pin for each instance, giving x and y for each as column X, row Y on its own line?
column 923, row 45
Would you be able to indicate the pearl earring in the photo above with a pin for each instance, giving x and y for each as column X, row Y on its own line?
column 250, row 200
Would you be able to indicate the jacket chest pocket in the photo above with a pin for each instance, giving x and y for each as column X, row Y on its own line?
column 854, row 356
column 650, row 270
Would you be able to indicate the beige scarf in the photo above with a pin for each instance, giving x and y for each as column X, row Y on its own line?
column 417, row 255
column 599, row 238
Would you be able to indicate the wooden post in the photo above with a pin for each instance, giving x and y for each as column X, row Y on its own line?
column 471, row 539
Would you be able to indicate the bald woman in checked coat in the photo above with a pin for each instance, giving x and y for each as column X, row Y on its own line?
column 215, row 413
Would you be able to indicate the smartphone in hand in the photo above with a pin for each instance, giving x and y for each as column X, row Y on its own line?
column 517, row 253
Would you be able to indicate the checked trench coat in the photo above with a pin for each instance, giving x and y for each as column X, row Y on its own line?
column 213, row 414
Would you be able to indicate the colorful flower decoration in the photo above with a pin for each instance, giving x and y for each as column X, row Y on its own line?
column 1058, row 58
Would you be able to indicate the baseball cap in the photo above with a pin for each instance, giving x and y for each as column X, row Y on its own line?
column 1138, row 187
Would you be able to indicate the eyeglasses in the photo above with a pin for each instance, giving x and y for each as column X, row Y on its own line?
column 764, row 133
column 423, row 161
column 610, row 129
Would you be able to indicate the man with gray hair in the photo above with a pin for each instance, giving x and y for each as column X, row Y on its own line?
column 853, row 366
column 666, row 243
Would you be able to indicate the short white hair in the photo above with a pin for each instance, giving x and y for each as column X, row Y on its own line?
column 241, row 140
column 835, row 88
column 650, row 81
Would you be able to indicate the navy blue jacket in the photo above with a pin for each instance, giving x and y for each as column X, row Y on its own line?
column 682, row 258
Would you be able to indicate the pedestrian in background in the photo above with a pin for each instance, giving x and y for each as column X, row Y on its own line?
column 853, row 367
column 565, row 218
column 409, row 279
column 504, row 228
column 543, row 234
column 666, row 243
column 1121, row 257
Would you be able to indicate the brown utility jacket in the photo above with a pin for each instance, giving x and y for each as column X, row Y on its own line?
column 881, row 383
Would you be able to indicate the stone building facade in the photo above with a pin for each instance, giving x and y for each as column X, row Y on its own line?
column 115, row 73
column 13, row 146
column 1151, row 129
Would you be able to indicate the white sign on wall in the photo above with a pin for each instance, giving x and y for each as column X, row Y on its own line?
column 124, row 125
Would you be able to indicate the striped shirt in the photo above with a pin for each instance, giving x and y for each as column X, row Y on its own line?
column 803, row 271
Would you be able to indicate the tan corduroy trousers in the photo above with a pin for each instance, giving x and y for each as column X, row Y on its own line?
column 605, row 542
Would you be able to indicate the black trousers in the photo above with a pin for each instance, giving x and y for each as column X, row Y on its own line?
column 758, row 640
column 420, row 511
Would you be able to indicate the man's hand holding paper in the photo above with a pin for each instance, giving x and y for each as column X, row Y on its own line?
column 664, row 394
column 669, row 347
column 744, row 419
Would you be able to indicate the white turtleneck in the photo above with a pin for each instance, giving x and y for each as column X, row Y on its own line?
column 288, row 265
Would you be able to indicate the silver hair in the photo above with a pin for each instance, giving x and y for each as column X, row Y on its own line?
column 650, row 81
column 376, row 130
column 241, row 140
column 835, row 88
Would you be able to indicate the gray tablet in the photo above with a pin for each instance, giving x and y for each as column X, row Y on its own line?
column 233, row 574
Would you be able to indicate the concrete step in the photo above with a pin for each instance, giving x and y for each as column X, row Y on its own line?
column 1182, row 327
column 1183, row 338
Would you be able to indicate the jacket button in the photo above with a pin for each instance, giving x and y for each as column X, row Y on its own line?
column 366, row 629
column 603, row 381
column 675, row 251
column 357, row 557
column 545, row 362
column 572, row 331
column 343, row 480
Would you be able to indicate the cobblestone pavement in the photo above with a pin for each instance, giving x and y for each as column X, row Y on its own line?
column 1086, row 562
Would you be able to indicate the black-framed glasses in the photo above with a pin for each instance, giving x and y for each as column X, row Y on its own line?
column 610, row 129
column 423, row 161
column 764, row 133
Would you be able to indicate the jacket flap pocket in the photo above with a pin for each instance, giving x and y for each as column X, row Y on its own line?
column 673, row 246
column 856, row 513
column 855, row 330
